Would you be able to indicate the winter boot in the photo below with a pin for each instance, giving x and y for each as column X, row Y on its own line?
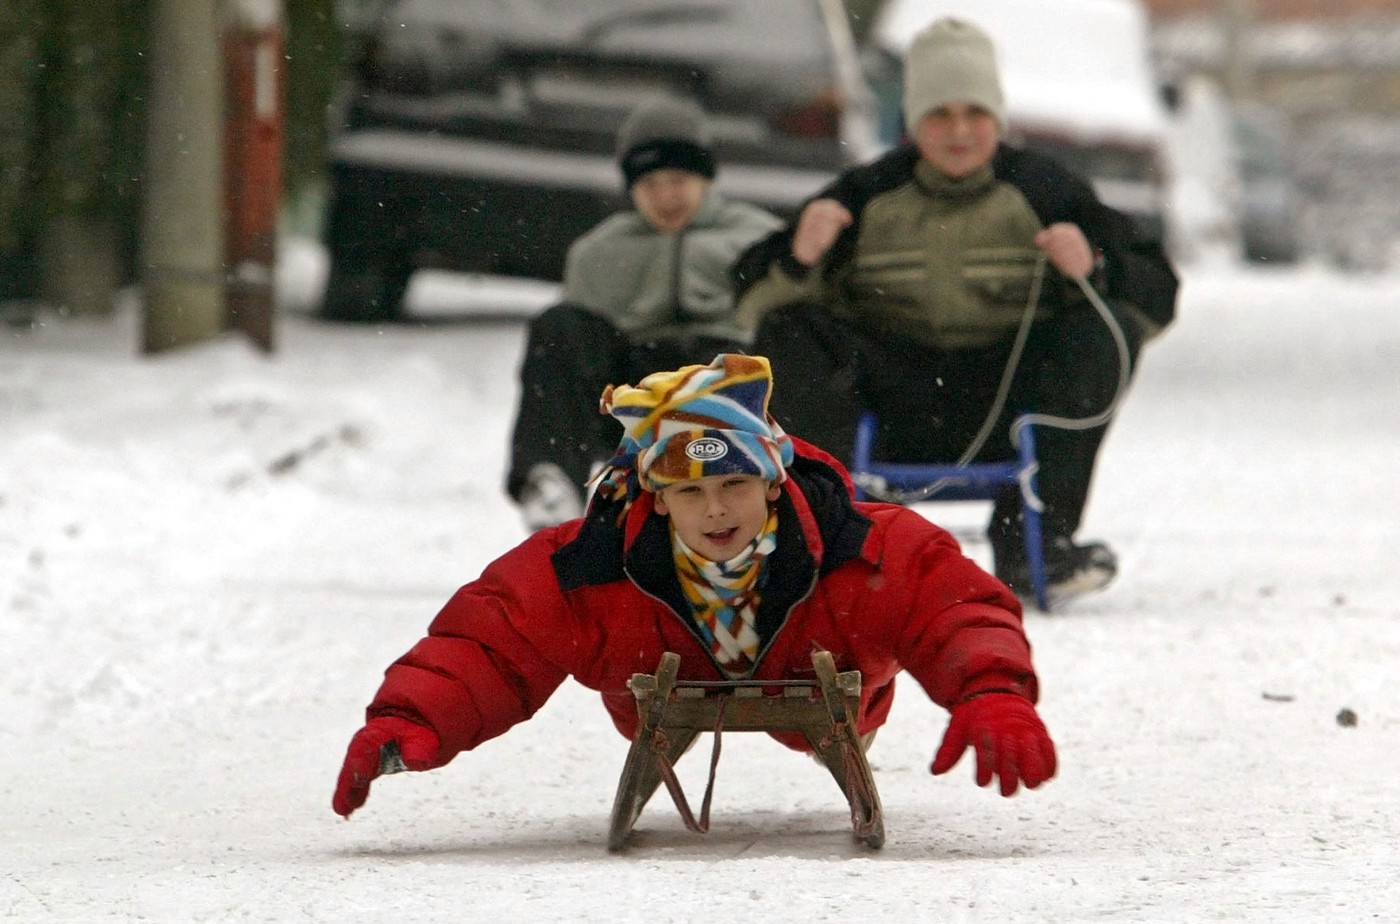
column 549, row 497
column 1070, row 570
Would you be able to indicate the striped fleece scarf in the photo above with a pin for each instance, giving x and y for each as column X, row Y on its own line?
column 724, row 595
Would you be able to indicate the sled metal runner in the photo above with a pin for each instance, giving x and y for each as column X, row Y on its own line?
column 672, row 713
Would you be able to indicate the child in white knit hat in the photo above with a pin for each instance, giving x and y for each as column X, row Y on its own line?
column 716, row 536
column 939, row 287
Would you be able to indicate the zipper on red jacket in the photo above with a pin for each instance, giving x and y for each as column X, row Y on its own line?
column 811, row 586
column 688, row 621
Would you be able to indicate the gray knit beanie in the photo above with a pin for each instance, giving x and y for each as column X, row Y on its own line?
column 665, row 132
column 951, row 61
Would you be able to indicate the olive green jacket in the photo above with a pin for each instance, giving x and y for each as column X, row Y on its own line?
column 953, row 263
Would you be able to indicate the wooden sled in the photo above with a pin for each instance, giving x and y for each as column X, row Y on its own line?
column 673, row 713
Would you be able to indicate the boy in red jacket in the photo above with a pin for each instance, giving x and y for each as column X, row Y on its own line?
column 716, row 536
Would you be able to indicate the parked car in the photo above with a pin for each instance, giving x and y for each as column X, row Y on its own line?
column 1235, row 187
column 479, row 136
column 1078, row 81
column 1204, row 213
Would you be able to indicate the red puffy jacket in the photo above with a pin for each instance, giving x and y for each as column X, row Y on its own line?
column 877, row 585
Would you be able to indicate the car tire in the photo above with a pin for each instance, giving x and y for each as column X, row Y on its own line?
column 1279, row 252
column 365, row 294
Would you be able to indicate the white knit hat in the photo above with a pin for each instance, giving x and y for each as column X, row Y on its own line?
column 951, row 61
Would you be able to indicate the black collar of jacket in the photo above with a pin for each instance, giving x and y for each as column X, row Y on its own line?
column 597, row 556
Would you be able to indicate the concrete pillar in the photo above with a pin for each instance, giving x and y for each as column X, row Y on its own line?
column 182, row 228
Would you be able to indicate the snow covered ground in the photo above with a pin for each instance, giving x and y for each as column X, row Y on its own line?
column 208, row 557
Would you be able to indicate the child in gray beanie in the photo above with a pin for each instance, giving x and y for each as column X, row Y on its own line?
column 646, row 289
column 904, row 287
column 662, row 134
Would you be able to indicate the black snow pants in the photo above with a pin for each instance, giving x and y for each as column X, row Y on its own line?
column 931, row 403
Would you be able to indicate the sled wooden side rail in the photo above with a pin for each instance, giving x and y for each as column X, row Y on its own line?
column 673, row 713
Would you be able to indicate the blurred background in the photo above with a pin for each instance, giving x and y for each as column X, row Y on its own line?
column 394, row 136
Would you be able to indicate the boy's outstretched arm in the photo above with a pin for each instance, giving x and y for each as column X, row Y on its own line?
column 492, row 656
column 964, row 642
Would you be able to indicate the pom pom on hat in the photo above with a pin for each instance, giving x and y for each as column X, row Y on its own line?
column 697, row 421
column 663, row 133
column 951, row 61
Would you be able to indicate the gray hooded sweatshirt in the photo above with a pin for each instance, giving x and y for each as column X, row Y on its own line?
column 651, row 284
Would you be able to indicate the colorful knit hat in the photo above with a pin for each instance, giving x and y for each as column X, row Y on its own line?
column 696, row 421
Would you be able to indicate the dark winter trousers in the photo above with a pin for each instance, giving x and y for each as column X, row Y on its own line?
column 931, row 403
column 571, row 355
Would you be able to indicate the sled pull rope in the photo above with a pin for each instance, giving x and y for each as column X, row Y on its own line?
column 876, row 487
column 1120, row 341
column 661, row 745
column 884, row 492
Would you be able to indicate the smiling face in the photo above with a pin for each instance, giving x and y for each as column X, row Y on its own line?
column 718, row 515
column 957, row 138
column 668, row 198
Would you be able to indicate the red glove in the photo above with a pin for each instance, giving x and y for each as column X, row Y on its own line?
column 384, row 745
column 1010, row 740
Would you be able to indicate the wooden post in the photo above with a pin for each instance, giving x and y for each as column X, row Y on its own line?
column 253, row 125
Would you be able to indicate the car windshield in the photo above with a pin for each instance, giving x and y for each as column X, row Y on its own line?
column 771, row 29
column 629, row 17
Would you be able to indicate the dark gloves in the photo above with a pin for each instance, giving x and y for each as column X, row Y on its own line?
column 384, row 745
column 1010, row 740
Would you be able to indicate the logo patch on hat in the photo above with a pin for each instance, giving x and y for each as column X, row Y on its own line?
column 707, row 449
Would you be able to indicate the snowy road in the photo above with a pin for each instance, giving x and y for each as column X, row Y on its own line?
column 207, row 559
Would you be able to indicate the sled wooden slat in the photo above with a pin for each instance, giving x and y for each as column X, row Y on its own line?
column 672, row 714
